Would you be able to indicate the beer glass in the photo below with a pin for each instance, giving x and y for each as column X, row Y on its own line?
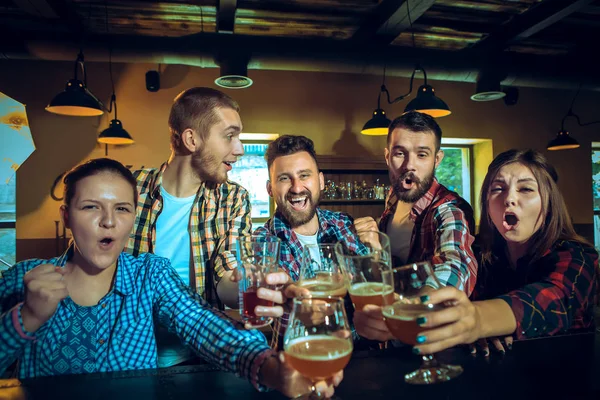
column 318, row 342
column 257, row 257
column 400, row 313
column 320, row 271
column 364, row 270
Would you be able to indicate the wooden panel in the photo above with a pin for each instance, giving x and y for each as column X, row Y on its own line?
column 495, row 6
column 312, row 6
column 271, row 23
column 148, row 18
column 540, row 48
column 438, row 38
column 351, row 163
column 374, row 211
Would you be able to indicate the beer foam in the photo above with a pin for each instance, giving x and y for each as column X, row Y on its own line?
column 370, row 289
column 319, row 348
column 405, row 312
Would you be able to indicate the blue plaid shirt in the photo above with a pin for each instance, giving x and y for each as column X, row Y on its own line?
column 334, row 227
column 124, row 334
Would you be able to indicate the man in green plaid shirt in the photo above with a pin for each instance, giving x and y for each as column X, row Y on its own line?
column 187, row 210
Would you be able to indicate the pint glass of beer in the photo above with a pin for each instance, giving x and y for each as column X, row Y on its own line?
column 364, row 270
column 318, row 342
column 257, row 257
column 321, row 272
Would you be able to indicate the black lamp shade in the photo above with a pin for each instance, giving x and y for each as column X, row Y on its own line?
column 75, row 100
column 115, row 134
column 234, row 73
column 378, row 125
column 427, row 102
column 563, row 141
column 488, row 87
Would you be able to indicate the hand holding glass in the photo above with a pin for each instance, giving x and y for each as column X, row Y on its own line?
column 364, row 271
column 318, row 342
column 401, row 312
column 257, row 257
column 321, row 273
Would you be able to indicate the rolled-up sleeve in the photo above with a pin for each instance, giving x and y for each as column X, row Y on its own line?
column 453, row 259
column 239, row 224
column 550, row 305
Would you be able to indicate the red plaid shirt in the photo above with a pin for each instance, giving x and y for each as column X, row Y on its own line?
column 443, row 222
column 553, row 294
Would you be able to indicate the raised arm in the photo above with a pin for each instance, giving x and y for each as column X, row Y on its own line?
column 453, row 260
column 225, row 263
column 567, row 284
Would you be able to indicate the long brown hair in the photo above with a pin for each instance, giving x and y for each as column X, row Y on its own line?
column 556, row 223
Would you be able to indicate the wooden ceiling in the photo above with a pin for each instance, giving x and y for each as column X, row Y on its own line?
column 540, row 28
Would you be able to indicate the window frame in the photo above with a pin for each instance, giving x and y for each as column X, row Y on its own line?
column 261, row 220
column 471, row 173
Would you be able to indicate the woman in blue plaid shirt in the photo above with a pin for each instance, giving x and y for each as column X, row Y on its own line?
column 91, row 309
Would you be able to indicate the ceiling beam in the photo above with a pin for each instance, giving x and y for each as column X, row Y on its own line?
column 39, row 8
column 389, row 19
column 11, row 42
column 529, row 23
column 226, row 15
column 65, row 12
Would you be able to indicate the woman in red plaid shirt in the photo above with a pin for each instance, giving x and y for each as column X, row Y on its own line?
column 537, row 276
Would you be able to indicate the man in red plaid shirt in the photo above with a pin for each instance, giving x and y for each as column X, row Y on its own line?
column 424, row 220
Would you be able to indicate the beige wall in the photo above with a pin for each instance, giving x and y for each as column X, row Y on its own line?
column 329, row 108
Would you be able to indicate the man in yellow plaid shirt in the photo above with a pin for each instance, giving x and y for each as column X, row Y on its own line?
column 187, row 210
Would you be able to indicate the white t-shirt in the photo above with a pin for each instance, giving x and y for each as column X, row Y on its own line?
column 399, row 229
column 172, row 234
column 314, row 250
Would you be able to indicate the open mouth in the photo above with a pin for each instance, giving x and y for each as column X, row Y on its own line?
column 510, row 221
column 229, row 164
column 407, row 183
column 107, row 241
column 298, row 203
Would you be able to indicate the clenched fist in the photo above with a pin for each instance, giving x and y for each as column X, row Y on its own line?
column 366, row 228
column 44, row 289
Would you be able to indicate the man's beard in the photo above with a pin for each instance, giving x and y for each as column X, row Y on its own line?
column 414, row 194
column 207, row 167
column 299, row 218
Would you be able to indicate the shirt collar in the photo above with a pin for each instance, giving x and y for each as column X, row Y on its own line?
column 124, row 278
column 156, row 183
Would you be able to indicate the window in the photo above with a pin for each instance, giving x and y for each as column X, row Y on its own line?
column 455, row 171
column 8, row 236
column 252, row 173
column 596, row 193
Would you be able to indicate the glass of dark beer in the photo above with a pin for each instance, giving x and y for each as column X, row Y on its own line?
column 257, row 257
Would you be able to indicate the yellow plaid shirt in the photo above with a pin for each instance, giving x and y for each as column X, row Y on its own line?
column 220, row 214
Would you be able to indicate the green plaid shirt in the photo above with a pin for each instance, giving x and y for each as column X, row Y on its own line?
column 220, row 214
